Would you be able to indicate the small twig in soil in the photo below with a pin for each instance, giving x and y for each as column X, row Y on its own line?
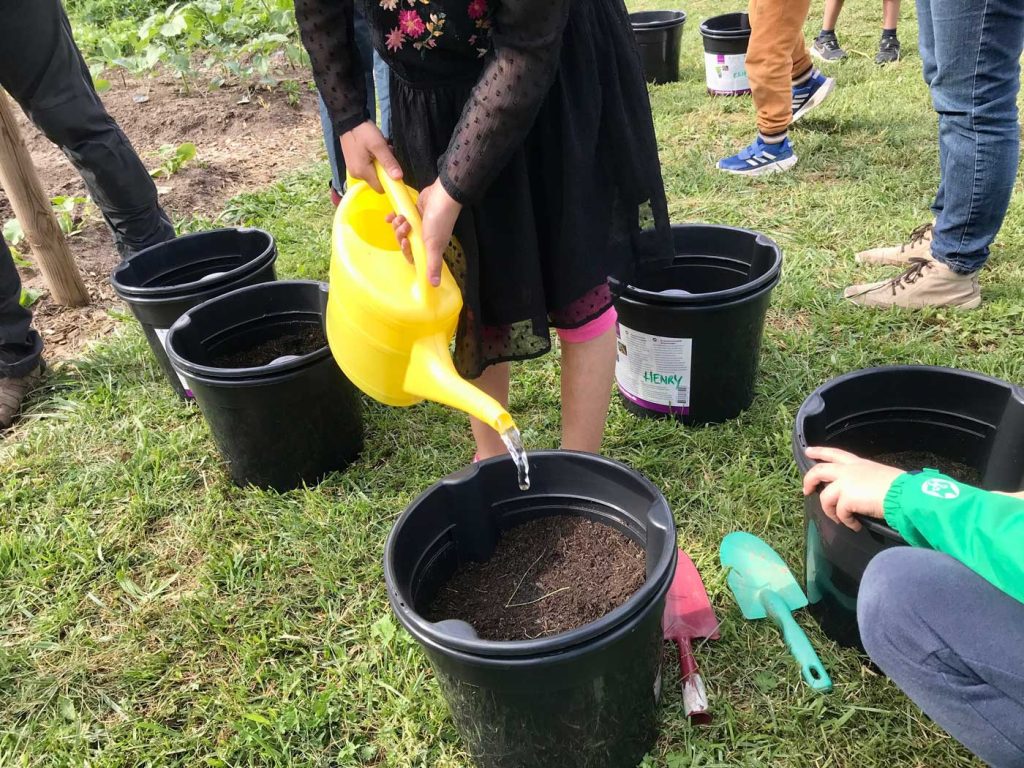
column 508, row 603
column 542, row 597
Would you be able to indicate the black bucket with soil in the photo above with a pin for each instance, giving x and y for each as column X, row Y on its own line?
column 281, row 411
column 690, row 329
column 659, row 35
column 161, row 283
column 965, row 424
column 726, row 38
column 540, row 611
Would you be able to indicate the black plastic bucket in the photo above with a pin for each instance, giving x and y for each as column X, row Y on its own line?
column 581, row 699
column 725, row 54
column 690, row 330
column 161, row 283
column 278, row 425
column 659, row 35
column 958, row 415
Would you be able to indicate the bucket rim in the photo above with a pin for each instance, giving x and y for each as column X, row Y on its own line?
column 799, row 439
column 512, row 651
column 673, row 18
column 710, row 299
column 134, row 293
column 723, row 34
column 260, row 374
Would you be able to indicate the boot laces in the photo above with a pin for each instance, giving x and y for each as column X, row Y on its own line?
column 914, row 273
column 917, row 235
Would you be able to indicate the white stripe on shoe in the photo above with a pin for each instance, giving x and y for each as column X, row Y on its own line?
column 816, row 98
column 764, row 169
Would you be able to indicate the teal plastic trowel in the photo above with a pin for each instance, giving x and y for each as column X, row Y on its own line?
column 764, row 586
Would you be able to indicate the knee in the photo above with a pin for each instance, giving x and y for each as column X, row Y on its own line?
column 897, row 586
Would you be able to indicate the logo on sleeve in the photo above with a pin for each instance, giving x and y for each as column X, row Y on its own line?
column 940, row 488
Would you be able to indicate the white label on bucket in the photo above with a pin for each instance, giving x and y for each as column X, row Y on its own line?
column 726, row 73
column 654, row 371
column 161, row 334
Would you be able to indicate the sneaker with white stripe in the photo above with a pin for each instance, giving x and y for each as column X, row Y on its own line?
column 760, row 159
column 812, row 93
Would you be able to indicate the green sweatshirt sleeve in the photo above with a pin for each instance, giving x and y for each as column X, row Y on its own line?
column 983, row 530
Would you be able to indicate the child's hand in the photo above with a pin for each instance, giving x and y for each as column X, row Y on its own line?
column 361, row 146
column 440, row 211
column 854, row 486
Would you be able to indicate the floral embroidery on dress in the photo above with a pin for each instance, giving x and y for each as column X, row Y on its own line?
column 424, row 30
column 480, row 13
column 412, row 27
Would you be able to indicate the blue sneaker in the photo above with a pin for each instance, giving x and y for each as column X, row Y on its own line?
column 809, row 95
column 760, row 159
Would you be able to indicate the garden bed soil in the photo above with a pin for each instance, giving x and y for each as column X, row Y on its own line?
column 244, row 140
column 546, row 576
column 911, row 461
column 298, row 343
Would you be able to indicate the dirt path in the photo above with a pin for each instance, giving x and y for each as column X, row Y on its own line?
column 244, row 141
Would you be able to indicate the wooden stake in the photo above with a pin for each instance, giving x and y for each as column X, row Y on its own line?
column 34, row 213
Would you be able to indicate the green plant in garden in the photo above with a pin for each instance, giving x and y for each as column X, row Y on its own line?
column 220, row 40
column 29, row 297
column 64, row 209
column 173, row 159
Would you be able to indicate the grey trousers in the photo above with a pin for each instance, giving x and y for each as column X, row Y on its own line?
column 953, row 642
column 42, row 68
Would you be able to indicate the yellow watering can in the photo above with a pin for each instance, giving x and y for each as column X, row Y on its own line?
column 387, row 327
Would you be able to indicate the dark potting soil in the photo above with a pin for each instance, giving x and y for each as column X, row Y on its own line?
column 309, row 339
column 546, row 576
column 915, row 460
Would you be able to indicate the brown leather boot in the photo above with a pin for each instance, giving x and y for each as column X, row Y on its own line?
column 13, row 391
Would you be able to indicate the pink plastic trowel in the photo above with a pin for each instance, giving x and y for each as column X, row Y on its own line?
column 689, row 616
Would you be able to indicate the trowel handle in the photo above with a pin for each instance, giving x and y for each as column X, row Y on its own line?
column 403, row 204
column 810, row 665
column 695, row 696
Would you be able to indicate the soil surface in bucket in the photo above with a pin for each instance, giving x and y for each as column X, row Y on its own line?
column 546, row 576
column 309, row 339
column 915, row 460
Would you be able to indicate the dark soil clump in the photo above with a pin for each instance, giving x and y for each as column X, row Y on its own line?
column 309, row 339
column 546, row 576
column 915, row 460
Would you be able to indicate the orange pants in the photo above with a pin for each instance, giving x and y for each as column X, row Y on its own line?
column 776, row 55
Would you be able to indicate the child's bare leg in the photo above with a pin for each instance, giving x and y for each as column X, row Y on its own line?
column 890, row 13
column 493, row 381
column 588, row 369
column 832, row 10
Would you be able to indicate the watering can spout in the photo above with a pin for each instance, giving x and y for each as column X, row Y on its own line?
column 432, row 376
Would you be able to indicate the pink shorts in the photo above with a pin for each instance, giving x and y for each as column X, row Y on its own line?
column 590, row 331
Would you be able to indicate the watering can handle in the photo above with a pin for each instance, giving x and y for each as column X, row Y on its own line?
column 810, row 665
column 403, row 204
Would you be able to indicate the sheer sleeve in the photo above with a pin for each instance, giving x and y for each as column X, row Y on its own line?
column 327, row 30
column 527, row 40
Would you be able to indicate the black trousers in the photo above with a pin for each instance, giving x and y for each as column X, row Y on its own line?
column 42, row 68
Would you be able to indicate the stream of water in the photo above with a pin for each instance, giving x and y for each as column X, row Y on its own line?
column 514, row 443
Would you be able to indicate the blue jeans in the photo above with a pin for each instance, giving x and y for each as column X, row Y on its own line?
column 971, row 54
column 952, row 642
column 375, row 70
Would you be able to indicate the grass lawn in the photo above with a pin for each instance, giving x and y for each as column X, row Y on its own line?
column 153, row 614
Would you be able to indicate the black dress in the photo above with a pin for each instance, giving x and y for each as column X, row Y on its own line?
column 535, row 115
